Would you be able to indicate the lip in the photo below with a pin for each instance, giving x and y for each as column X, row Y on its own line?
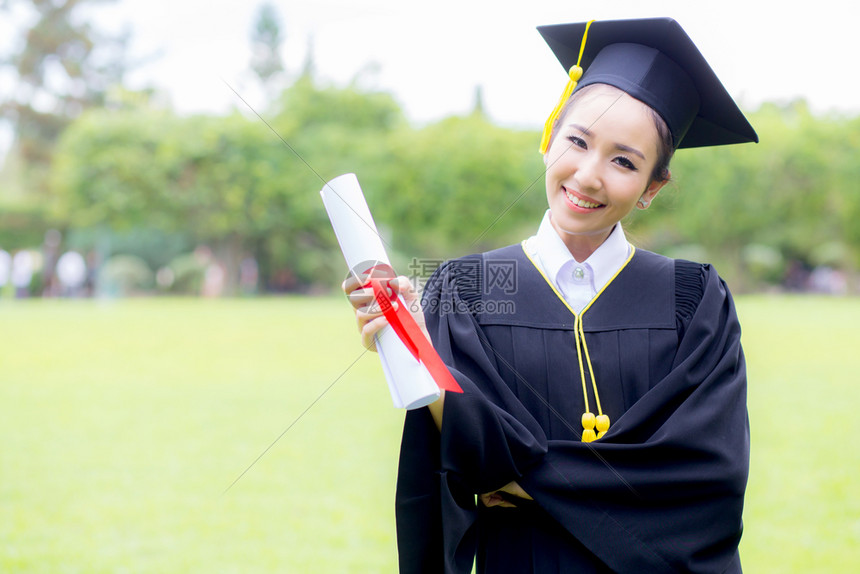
column 574, row 207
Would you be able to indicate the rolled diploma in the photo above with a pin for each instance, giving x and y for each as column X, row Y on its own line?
column 409, row 382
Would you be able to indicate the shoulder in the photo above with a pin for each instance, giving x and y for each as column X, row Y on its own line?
column 689, row 280
column 474, row 265
column 687, row 274
column 465, row 277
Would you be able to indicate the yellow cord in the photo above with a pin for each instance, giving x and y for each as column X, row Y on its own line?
column 574, row 74
column 577, row 325
column 590, row 370
column 590, row 422
column 588, row 419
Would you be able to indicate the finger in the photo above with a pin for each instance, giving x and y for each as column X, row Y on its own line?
column 361, row 297
column 489, row 500
column 492, row 499
column 514, row 489
column 356, row 279
column 373, row 308
column 353, row 282
column 364, row 292
column 370, row 329
column 365, row 315
column 402, row 285
column 383, row 272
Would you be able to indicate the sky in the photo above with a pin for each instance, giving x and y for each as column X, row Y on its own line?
column 433, row 55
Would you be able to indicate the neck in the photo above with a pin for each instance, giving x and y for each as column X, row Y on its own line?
column 582, row 246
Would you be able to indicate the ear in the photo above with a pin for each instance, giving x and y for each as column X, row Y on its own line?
column 654, row 188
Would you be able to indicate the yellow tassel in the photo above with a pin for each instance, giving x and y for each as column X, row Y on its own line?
column 588, row 420
column 602, row 423
column 575, row 73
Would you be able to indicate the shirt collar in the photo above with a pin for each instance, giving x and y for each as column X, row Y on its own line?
column 604, row 262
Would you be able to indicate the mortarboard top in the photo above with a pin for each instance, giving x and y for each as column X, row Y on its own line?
column 654, row 61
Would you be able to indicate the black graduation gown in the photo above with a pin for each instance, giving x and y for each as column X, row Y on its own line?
column 662, row 491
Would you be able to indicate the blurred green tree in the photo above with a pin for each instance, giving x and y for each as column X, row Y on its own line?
column 793, row 192
column 460, row 185
column 228, row 182
column 266, row 40
column 62, row 65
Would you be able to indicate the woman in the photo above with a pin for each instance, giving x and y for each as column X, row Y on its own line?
column 603, row 423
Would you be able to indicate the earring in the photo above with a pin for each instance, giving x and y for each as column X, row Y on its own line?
column 643, row 203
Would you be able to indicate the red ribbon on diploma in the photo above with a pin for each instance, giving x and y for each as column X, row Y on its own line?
column 410, row 333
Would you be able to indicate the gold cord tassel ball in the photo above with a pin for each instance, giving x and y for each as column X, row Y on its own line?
column 588, row 421
column 602, row 425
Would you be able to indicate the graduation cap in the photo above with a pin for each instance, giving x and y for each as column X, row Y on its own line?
column 654, row 61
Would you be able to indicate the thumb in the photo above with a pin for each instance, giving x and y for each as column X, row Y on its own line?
column 403, row 286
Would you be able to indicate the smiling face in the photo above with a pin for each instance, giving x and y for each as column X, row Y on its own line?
column 599, row 164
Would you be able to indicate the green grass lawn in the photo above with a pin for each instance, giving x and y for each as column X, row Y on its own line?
column 123, row 423
column 803, row 502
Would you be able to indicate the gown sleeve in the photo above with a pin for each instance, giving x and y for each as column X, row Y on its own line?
column 487, row 439
column 663, row 490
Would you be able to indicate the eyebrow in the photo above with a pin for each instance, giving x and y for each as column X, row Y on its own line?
column 618, row 146
column 629, row 149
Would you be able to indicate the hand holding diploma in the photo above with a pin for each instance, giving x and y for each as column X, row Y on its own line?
column 368, row 312
column 413, row 370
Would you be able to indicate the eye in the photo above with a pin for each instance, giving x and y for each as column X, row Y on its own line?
column 625, row 163
column 578, row 141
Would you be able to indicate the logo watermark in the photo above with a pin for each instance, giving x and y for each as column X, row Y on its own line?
column 476, row 280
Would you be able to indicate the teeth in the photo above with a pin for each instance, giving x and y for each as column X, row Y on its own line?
column 580, row 202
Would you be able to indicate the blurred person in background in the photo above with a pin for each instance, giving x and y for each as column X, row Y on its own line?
column 5, row 268
column 22, row 273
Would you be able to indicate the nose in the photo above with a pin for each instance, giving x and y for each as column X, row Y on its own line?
column 588, row 171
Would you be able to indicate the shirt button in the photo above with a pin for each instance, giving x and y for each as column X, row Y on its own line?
column 578, row 273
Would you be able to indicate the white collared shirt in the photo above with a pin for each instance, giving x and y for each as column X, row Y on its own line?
column 578, row 282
